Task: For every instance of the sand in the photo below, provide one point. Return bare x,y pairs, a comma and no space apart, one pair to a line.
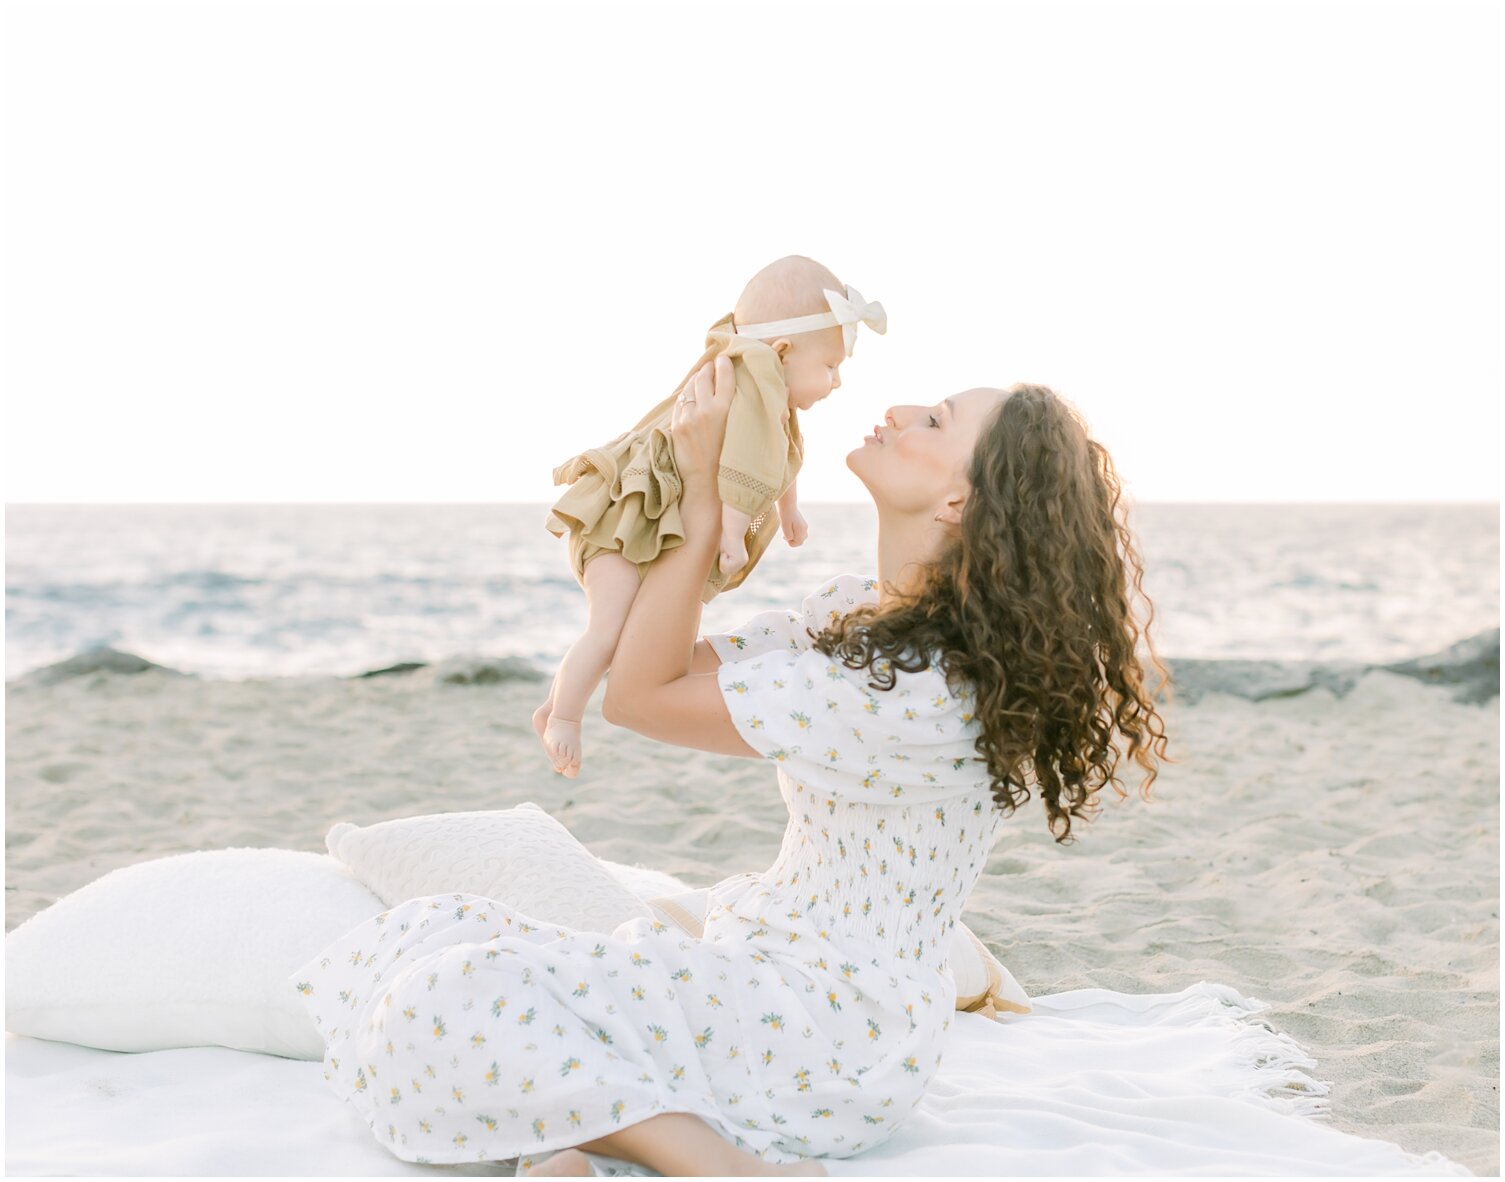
1336,856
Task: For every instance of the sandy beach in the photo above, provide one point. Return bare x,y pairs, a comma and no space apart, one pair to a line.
1336,856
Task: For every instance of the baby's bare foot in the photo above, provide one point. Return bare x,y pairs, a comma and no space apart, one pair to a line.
732,560
541,717
561,738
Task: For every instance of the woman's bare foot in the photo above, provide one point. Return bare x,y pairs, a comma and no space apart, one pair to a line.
567,1163
561,738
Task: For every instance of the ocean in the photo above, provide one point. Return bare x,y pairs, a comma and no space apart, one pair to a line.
261,590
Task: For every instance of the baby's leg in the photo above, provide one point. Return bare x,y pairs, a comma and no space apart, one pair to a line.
611,584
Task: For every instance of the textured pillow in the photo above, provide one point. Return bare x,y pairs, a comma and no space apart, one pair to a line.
190,950
519,856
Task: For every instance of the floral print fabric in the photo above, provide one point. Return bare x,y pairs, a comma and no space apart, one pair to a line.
809,1018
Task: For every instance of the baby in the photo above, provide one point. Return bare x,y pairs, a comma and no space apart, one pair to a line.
787,337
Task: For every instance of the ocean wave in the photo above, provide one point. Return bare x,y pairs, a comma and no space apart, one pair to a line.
1468,669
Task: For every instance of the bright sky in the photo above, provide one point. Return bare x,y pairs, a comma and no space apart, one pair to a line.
425,252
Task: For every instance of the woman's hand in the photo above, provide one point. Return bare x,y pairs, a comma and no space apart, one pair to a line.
698,427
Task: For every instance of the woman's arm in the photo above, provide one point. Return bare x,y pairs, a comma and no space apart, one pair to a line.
705,659
653,687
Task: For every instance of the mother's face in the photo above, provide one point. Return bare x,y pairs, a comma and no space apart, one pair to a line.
918,457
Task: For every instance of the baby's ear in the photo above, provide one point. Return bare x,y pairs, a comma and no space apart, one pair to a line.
781,346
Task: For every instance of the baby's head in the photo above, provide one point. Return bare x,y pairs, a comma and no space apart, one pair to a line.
796,286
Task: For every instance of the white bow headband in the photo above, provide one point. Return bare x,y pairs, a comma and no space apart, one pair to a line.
848,311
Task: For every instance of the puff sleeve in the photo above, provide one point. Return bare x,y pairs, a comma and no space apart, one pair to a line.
829,729
783,629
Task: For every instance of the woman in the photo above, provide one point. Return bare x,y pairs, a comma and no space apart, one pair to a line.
998,649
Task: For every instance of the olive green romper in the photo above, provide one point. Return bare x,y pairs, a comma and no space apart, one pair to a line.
624,496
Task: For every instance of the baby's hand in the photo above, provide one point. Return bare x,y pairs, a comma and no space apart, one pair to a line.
733,555
795,529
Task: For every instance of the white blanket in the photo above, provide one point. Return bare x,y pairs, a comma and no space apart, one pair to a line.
1091,1082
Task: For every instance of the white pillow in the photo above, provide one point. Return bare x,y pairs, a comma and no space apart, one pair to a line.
185,951
519,856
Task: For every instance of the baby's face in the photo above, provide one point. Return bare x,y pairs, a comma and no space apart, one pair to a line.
812,366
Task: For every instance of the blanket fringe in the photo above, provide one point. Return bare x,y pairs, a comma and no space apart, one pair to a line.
1274,1065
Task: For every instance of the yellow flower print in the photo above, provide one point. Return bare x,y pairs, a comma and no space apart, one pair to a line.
639,960
775,1021
822,1112
491,1076
478,1040
873,1120
395,1097
910,1065
637,993
831,999
581,989
676,1072
538,1128
940,815
800,720
704,1037
569,1065
847,969
835,1066
438,1027
713,1001
739,686
658,1032
424,1127
526,1018
458,1094
617,1109
360,1079
574,1118
681,975
433,979
603,1036
802,1078
305,988
497,1007
525,1085
873,1030
488,1121
460,1139
767,1058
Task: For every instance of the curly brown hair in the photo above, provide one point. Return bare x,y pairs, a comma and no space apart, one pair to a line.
1030,606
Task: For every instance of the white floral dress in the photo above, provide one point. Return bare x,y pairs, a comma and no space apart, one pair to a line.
807,1021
